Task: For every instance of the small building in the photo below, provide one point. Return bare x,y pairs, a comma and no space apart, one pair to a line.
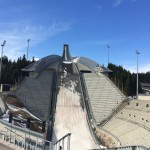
145,88
5,87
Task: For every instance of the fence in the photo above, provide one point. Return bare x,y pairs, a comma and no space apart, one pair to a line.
60,144
27,143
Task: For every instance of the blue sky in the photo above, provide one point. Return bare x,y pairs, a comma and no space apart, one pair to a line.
86,25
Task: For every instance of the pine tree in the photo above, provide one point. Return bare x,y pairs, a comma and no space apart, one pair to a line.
128,86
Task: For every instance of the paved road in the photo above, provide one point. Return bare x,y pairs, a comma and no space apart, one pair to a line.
3,147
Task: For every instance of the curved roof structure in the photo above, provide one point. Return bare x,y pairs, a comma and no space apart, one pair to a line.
90,64
42,64
87,64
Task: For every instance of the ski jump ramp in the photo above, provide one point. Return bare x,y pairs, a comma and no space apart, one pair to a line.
71,118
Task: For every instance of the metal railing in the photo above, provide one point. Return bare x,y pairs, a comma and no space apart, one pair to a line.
60,144
24,130
88,109
25,142
51,107
137,147
40,144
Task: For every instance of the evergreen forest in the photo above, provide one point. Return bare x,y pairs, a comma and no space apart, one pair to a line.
123,79
11,70
126,81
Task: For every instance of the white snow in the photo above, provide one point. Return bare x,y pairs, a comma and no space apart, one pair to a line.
14,108
67,62
23,125
5,119
72,86
70,118
76,59
5,116
11,107
24,109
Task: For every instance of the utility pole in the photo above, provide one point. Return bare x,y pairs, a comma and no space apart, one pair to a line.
137,53
1,60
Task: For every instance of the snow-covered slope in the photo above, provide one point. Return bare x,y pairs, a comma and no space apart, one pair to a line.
70,118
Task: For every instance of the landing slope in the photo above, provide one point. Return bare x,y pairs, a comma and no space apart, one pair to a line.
70,118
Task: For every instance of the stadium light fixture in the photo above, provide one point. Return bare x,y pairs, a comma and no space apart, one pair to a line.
137,53
4,43
108,53
28,48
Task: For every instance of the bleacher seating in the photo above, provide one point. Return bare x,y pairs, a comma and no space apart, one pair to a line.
139,105
132,125
36,94
103,95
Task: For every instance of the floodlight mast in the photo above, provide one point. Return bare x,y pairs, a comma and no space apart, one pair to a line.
1,60
108,53
28,48
137,53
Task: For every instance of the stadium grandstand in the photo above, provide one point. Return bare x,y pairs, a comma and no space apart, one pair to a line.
79,108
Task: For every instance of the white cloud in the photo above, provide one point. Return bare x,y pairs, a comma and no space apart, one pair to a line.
117,3
16,35
143,68
36,59
99,7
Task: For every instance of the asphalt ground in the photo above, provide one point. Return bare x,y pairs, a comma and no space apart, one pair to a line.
3,147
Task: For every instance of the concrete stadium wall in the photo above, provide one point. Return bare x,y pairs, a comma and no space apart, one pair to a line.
144,97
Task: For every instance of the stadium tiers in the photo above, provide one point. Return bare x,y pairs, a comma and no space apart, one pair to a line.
103,95
131,125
